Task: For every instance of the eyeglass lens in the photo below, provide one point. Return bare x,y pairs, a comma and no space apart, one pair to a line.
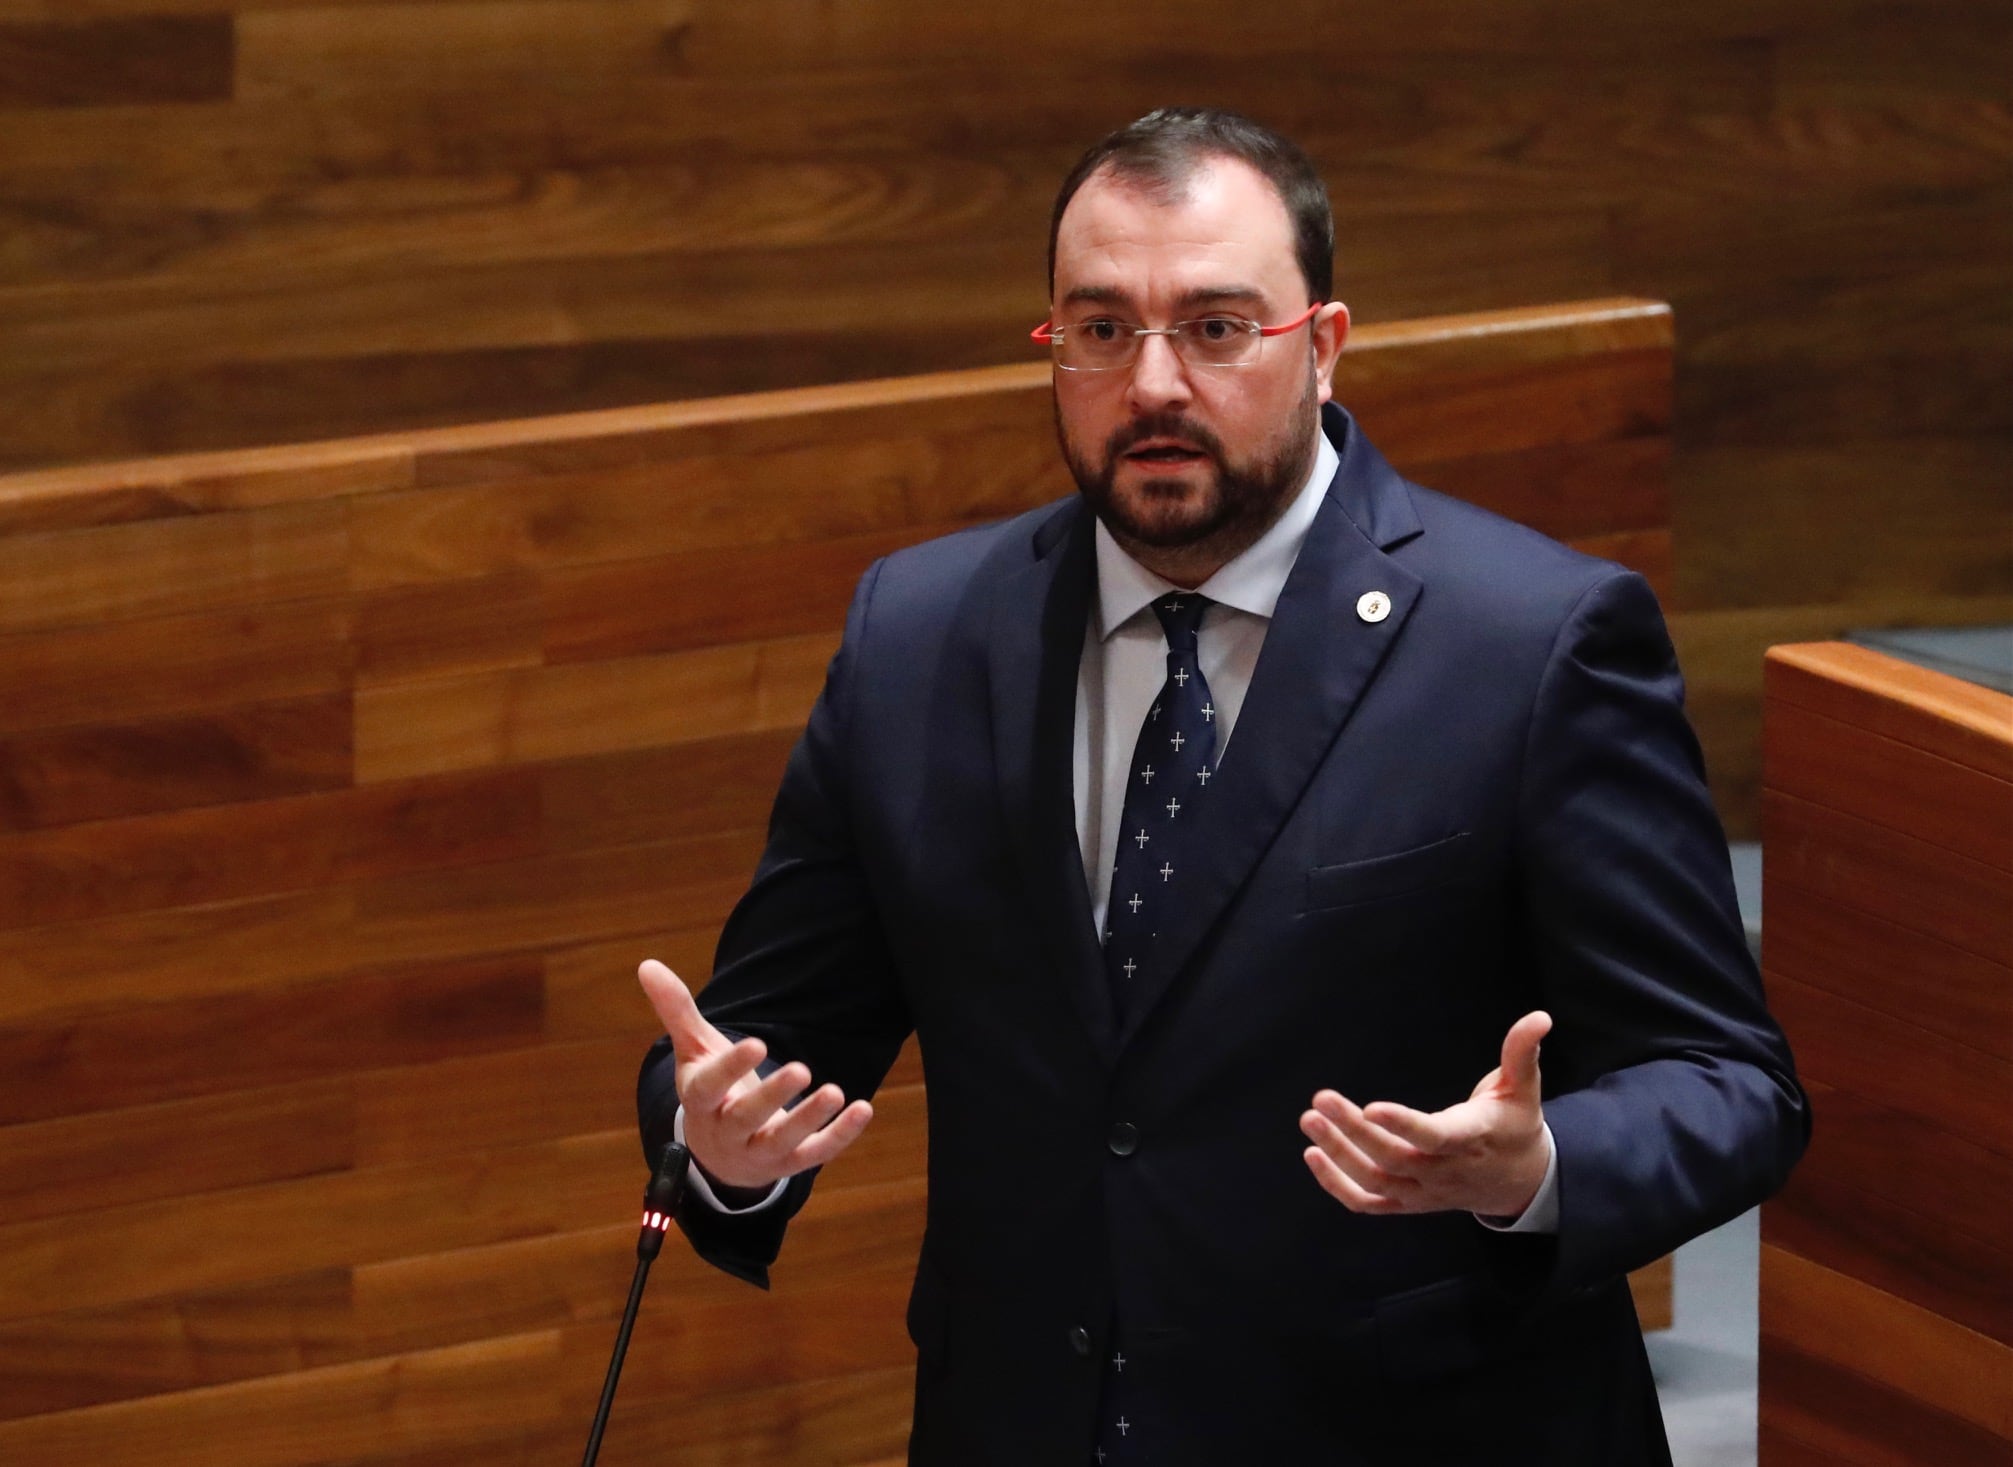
1207,341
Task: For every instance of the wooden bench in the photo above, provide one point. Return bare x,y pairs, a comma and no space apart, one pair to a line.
342,786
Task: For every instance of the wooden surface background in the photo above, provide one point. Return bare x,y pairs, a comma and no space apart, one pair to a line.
1887,1264
266,221
342,788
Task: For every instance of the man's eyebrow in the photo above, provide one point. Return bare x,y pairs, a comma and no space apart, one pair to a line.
1220,295
1188,300
1096,295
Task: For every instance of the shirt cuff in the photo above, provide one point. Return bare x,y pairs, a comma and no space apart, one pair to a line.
1542,1216
696,1179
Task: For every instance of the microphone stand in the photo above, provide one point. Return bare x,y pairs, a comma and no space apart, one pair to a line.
660,1201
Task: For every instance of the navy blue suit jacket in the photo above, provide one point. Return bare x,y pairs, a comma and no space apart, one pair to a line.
1422,828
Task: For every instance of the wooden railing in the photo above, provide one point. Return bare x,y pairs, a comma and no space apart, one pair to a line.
342,786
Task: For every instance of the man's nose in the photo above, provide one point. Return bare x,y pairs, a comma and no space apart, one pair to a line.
1159,378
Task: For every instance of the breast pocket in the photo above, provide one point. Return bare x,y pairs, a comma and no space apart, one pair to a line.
1441,863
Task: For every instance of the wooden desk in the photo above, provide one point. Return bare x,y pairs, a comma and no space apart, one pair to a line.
1887,1263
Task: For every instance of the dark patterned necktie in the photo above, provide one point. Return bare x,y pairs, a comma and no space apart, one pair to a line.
1172,764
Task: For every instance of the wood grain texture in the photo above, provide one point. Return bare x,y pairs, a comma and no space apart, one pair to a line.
97,672
329,847
122,1254
225,851
1942,715
409,633
197,483
134,61
1861,1421
200,563
1871,1334
1887,1283
137,1053
76,1165
572,710
1876,1052
1845,951
428,1399
706,785
1905,788
257,751
154,1347
1909,880
1904,1253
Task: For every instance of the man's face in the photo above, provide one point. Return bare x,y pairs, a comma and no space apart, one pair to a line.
1171,457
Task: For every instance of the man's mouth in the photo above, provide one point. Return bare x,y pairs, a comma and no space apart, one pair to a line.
1163,454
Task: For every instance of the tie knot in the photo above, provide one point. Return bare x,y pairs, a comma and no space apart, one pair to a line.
1180,616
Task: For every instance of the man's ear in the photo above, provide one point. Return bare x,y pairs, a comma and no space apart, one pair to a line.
1330,331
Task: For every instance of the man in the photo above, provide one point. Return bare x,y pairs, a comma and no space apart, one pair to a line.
1231,836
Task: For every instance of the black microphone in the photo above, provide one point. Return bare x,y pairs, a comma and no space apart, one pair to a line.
660,1202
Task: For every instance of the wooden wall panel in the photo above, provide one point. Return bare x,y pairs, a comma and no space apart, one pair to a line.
1861,1422
220,852
233,222
63,776
202,563
570,710
130,61
1887,1281
136,1052
57,675
329,845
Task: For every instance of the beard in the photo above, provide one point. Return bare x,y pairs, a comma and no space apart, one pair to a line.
1218,516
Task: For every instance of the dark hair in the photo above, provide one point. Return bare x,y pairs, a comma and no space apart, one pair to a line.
1160,152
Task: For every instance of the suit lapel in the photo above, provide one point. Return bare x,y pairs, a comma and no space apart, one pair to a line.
1035,643
1320,655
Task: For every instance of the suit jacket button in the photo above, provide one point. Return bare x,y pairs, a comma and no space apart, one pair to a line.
1079,1340
1124,1139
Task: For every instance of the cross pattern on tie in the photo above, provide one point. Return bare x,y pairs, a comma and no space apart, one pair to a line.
1171,765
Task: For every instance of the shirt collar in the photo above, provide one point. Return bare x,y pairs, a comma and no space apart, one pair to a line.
1251,582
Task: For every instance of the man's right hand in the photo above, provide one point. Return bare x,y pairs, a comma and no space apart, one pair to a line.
736,1126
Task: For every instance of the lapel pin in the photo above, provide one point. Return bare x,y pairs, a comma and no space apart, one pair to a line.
1373,606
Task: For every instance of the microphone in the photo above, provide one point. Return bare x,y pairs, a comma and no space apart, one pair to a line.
661,1198
660,1203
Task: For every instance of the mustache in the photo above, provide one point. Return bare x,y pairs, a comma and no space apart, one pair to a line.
1162,425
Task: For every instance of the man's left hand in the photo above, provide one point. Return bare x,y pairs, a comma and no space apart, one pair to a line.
1486,1155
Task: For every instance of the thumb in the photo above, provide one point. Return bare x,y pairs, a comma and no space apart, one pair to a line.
1520,1055
691,1036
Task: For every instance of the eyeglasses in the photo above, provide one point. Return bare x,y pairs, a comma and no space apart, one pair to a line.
1104,344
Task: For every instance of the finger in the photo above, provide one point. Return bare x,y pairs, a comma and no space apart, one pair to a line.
750,1107
708,1083
786,1130
1520,1053
1336,1183
1444,1133
835,1138
1395,1153
691,1036
1351,1160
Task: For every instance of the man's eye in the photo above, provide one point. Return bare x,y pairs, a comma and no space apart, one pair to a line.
1218,328
1100,331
